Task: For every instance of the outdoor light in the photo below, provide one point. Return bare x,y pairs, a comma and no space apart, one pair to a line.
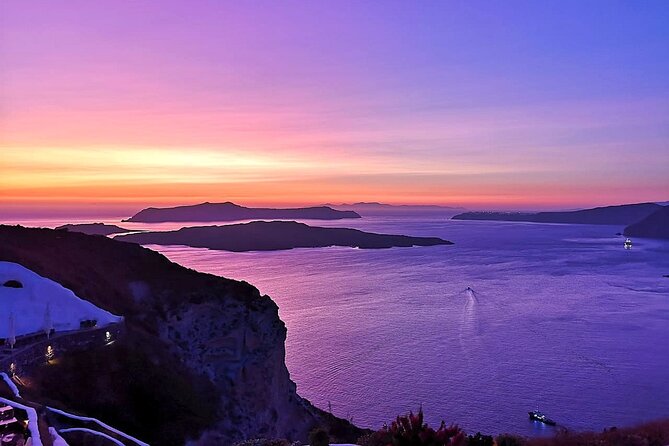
49,353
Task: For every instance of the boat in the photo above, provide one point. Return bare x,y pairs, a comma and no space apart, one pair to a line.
628,244
535,415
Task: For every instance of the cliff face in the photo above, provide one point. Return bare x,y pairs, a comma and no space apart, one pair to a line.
241,350
185,328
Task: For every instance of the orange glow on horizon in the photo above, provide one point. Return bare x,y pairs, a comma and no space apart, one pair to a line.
130,105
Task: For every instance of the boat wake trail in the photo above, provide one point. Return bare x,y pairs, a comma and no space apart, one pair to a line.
470,328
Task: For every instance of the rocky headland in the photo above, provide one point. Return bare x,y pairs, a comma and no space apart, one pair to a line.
202,360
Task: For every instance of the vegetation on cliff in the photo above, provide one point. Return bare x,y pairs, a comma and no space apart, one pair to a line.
411,430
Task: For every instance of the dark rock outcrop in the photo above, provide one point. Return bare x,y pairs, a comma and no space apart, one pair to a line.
656,225
207,212
203,356
93,228
13,284
609,215
276,235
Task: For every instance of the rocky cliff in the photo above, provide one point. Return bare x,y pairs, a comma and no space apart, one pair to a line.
194,341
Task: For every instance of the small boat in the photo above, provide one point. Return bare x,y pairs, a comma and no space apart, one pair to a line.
535,415
628,244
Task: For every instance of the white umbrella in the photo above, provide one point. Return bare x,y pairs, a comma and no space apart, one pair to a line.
11,338
48,322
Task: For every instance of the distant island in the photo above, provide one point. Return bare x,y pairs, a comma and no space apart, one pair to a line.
625,214
276,235
93,228
208,212
376,208
656,225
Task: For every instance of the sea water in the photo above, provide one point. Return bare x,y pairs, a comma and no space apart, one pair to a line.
559,317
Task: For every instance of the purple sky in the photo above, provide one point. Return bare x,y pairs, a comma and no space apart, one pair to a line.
481,104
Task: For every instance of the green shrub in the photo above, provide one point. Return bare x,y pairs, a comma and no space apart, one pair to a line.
319,437
410,430
480,440
509,440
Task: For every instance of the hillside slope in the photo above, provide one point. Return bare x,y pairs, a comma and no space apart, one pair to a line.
203,356
656,225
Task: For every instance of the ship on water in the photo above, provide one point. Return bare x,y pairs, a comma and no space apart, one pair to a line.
628,243
536,415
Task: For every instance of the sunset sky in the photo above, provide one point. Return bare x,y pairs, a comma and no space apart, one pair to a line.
483,104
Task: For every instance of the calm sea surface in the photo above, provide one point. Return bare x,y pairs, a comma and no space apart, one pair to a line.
561,318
